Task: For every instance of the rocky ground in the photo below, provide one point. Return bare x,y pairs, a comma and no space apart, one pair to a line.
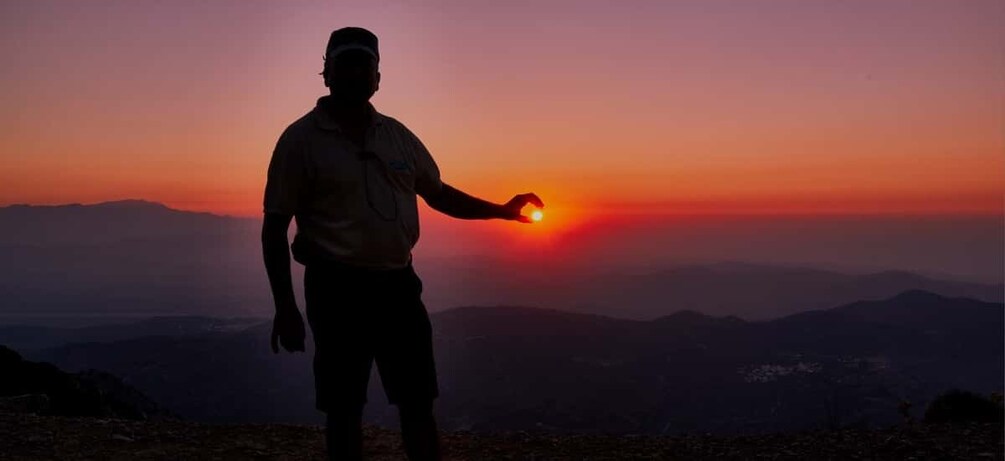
33,437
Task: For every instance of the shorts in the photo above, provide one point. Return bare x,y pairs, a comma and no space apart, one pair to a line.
358,316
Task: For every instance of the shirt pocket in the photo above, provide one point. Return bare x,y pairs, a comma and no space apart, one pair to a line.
401,173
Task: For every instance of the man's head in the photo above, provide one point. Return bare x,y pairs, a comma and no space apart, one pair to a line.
350,69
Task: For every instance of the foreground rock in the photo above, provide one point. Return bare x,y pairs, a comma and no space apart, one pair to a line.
24,437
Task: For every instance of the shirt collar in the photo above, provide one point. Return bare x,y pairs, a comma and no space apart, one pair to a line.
325,121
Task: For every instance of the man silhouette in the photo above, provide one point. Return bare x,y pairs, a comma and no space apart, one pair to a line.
350,175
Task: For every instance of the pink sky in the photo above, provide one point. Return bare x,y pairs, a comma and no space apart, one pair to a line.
818,107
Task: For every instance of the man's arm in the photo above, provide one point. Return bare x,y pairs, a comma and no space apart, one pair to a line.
275,249
458,204
453,202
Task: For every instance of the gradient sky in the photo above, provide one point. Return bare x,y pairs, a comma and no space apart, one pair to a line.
808,107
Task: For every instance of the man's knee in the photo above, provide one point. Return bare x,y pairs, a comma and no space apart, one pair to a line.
415,408
344,414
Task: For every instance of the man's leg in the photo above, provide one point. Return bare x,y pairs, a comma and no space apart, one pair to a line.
418,430
342,356
404,356
344,433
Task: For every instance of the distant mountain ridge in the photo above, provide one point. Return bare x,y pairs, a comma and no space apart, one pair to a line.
129,256
105,222
27,336
124,203
762,291
140,257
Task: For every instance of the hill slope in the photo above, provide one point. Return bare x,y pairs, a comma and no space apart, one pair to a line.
512,368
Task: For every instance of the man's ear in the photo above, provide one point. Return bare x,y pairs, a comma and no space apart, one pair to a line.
376,86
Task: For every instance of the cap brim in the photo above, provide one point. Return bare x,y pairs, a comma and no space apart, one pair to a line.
352,46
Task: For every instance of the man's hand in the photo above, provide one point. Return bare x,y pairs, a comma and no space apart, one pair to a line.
288,329
512,209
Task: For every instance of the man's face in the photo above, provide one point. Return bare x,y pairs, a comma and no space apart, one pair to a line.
353,76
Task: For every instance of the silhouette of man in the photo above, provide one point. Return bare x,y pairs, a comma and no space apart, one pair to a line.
350,175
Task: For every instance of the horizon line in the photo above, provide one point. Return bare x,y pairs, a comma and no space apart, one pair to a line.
621,209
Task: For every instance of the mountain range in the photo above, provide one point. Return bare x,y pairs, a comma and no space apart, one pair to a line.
137,259
522,368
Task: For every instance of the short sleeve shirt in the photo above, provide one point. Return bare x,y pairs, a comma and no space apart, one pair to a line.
352,204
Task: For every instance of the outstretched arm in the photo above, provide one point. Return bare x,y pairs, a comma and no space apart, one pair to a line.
458,204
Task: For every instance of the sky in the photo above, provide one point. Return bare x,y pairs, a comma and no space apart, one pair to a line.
606,110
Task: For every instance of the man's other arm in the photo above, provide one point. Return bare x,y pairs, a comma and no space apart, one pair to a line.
275,249
287,325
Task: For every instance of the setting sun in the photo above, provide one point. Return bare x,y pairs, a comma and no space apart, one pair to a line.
537,215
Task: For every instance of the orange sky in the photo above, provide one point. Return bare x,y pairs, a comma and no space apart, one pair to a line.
697,107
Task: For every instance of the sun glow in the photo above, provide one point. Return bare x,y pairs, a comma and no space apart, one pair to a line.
537,215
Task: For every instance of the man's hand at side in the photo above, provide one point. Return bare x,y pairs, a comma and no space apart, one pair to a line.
288,329
288,325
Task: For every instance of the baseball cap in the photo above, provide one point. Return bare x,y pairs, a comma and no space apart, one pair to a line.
351,38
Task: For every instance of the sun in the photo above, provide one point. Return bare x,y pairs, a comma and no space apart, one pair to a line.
537,215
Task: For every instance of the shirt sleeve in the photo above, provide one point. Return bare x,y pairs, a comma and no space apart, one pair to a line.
287,177
427,173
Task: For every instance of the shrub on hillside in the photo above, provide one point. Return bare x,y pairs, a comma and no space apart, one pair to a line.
962,406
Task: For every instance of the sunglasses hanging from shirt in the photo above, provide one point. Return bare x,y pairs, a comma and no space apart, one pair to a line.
365,157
